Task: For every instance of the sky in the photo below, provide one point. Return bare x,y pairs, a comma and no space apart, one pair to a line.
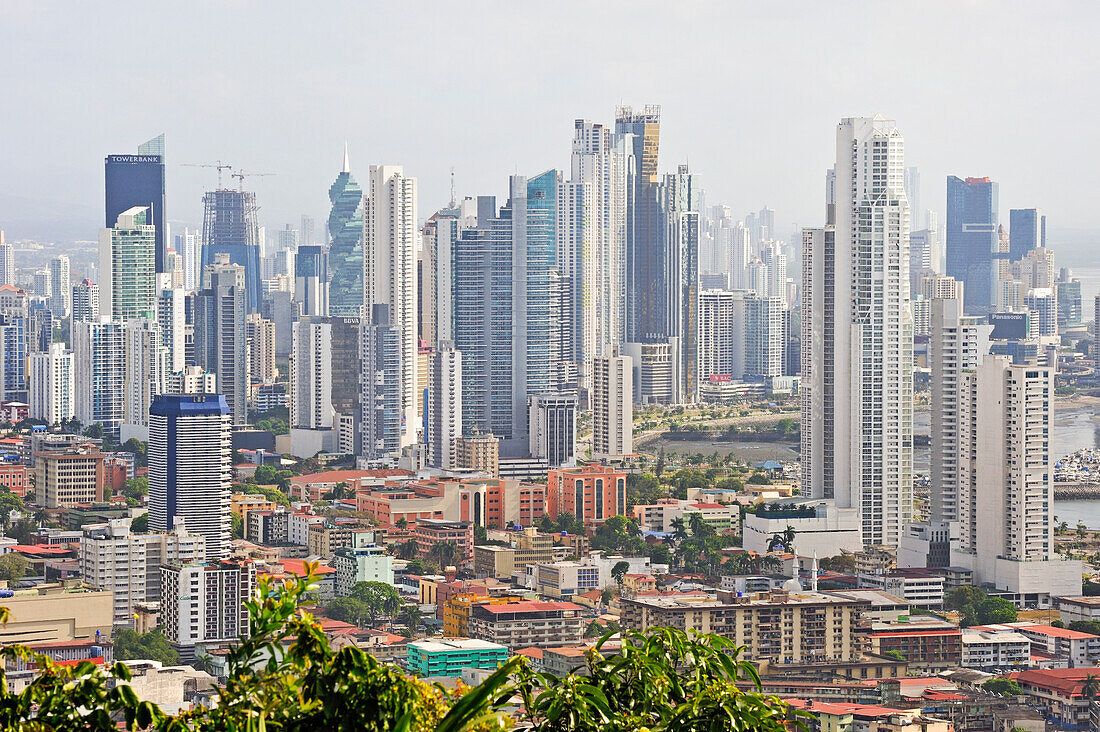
750,95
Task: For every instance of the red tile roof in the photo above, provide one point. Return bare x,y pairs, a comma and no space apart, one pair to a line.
529,606
1064,681
858,710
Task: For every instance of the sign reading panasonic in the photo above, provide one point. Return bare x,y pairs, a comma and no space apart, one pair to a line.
133,158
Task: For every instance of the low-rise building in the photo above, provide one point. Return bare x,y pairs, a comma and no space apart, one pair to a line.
429,532
69,477
919,588
1079,649
325,538
821,527
660,517
592,493
994,652
16,478
848,717
56,613
1059,693
528,623
1072,609
448,656
363,561
563,580
927,644
790,625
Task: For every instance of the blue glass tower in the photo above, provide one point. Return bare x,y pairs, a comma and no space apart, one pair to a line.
972,238
1027,230
230,227
345,226
138,180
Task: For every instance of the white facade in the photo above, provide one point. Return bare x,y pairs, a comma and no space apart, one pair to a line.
612,407
127,564
172,319
857,336
821,528
390,237
146,372
1006,415
204,603
7,262
99,369
994,652
445,406
85,302
60,293
50,384
576,247
721,334
311,375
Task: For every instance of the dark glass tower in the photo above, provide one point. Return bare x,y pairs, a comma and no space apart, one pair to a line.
138,180
230,227
645,264
345,255
972,243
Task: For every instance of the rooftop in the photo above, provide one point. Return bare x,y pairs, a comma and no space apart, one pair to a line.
528,606
455,644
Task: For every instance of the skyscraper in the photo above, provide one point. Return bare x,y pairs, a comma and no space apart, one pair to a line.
145,375
612,406
857,339
61,287
99,369
445,406
1027,229
345,229
127,266
553,428
50,384
230,227
190,462
347,371
389,273
645,261
85,301
138,180
311,375
7,262
972,243
680,206
221,335
311,284
381,426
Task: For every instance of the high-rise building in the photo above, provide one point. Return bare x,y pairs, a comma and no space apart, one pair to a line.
43,285
972,242
681,202
553,426
389,274
345,229
381,420
1027,229
656,371
50,384
1006,415
441,232
205,603
765,336
145,375
311,281
260,334
775,263
721,335
857,336
85,302
230,227
7,262
61,287
127,266
639,132
347,371
172,310
221,334
138,180
99,369
912,195
445,406
189,246
612,406
190,462
311,375
956,344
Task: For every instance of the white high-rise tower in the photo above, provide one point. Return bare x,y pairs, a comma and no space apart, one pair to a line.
390,236
857,382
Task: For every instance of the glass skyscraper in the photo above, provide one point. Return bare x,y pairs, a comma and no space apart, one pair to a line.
972,243
345,227
127,263
1027,230
138,180
230,227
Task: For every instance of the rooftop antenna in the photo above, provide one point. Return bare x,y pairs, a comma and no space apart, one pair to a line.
216,164
452,187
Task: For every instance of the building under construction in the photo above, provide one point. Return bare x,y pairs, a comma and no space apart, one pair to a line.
230,226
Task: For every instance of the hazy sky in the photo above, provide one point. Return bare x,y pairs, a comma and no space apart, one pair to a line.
750,95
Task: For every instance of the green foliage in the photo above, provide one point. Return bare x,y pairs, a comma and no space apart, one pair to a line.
268,492
347,610
618,572
642,489
759,479
136,488
1090,588
620,534
1086,626
1004,687
12,567
140,524
894,654
22,530
783,540
9,502
139,450
275,425
265,475
729,484
996,610
845,563
153,646
378,599
975,607
236,526
415,566
94,430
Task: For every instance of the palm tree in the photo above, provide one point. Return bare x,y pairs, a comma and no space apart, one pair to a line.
1090,686
411,615
784,540
679,533
204,663
408,549
444,551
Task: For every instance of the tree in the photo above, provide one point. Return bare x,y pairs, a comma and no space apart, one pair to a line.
22,530
618,572
1090,686
9,502
402,523
783,540
415,566
410,615
995,610
679,530
152,646
265,475
444,552
759,479
347,610
481,534
894,654
843,562
236,526
408,549
642,489
139,449
136,488
378,599
140,524
1004,687
619,534
94,430
12,567
960,597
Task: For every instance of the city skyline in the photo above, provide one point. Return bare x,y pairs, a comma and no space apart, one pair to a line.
743,157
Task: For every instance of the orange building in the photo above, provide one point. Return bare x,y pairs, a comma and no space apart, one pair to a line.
592,492
16,478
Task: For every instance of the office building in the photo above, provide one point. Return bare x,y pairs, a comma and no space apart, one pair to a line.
85,302
639,132
221,334
68,477
479,452
721,335
389,276
311,285
99,371
61,293
345,229
857,336
260,335
444,418
50,387
553,428
1006,414
116,560
189,247
189,467
656,369
972,241
612,406
230,228
127,266
680,206
138,180
7,262
449,656
43,285
593,493
204,603
1027,230
347,370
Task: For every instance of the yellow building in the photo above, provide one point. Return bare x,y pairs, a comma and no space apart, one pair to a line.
241,503
56,613
479,452
456,612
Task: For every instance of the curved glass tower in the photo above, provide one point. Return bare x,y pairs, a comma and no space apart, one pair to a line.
345,256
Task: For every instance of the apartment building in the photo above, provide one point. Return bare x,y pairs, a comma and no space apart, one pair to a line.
362,561
1079,649
447,657
428,532
204,603
528,624
780,625
70,476
994,652
592,492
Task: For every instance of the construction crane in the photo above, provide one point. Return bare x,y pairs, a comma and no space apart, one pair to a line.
216,164
240,175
